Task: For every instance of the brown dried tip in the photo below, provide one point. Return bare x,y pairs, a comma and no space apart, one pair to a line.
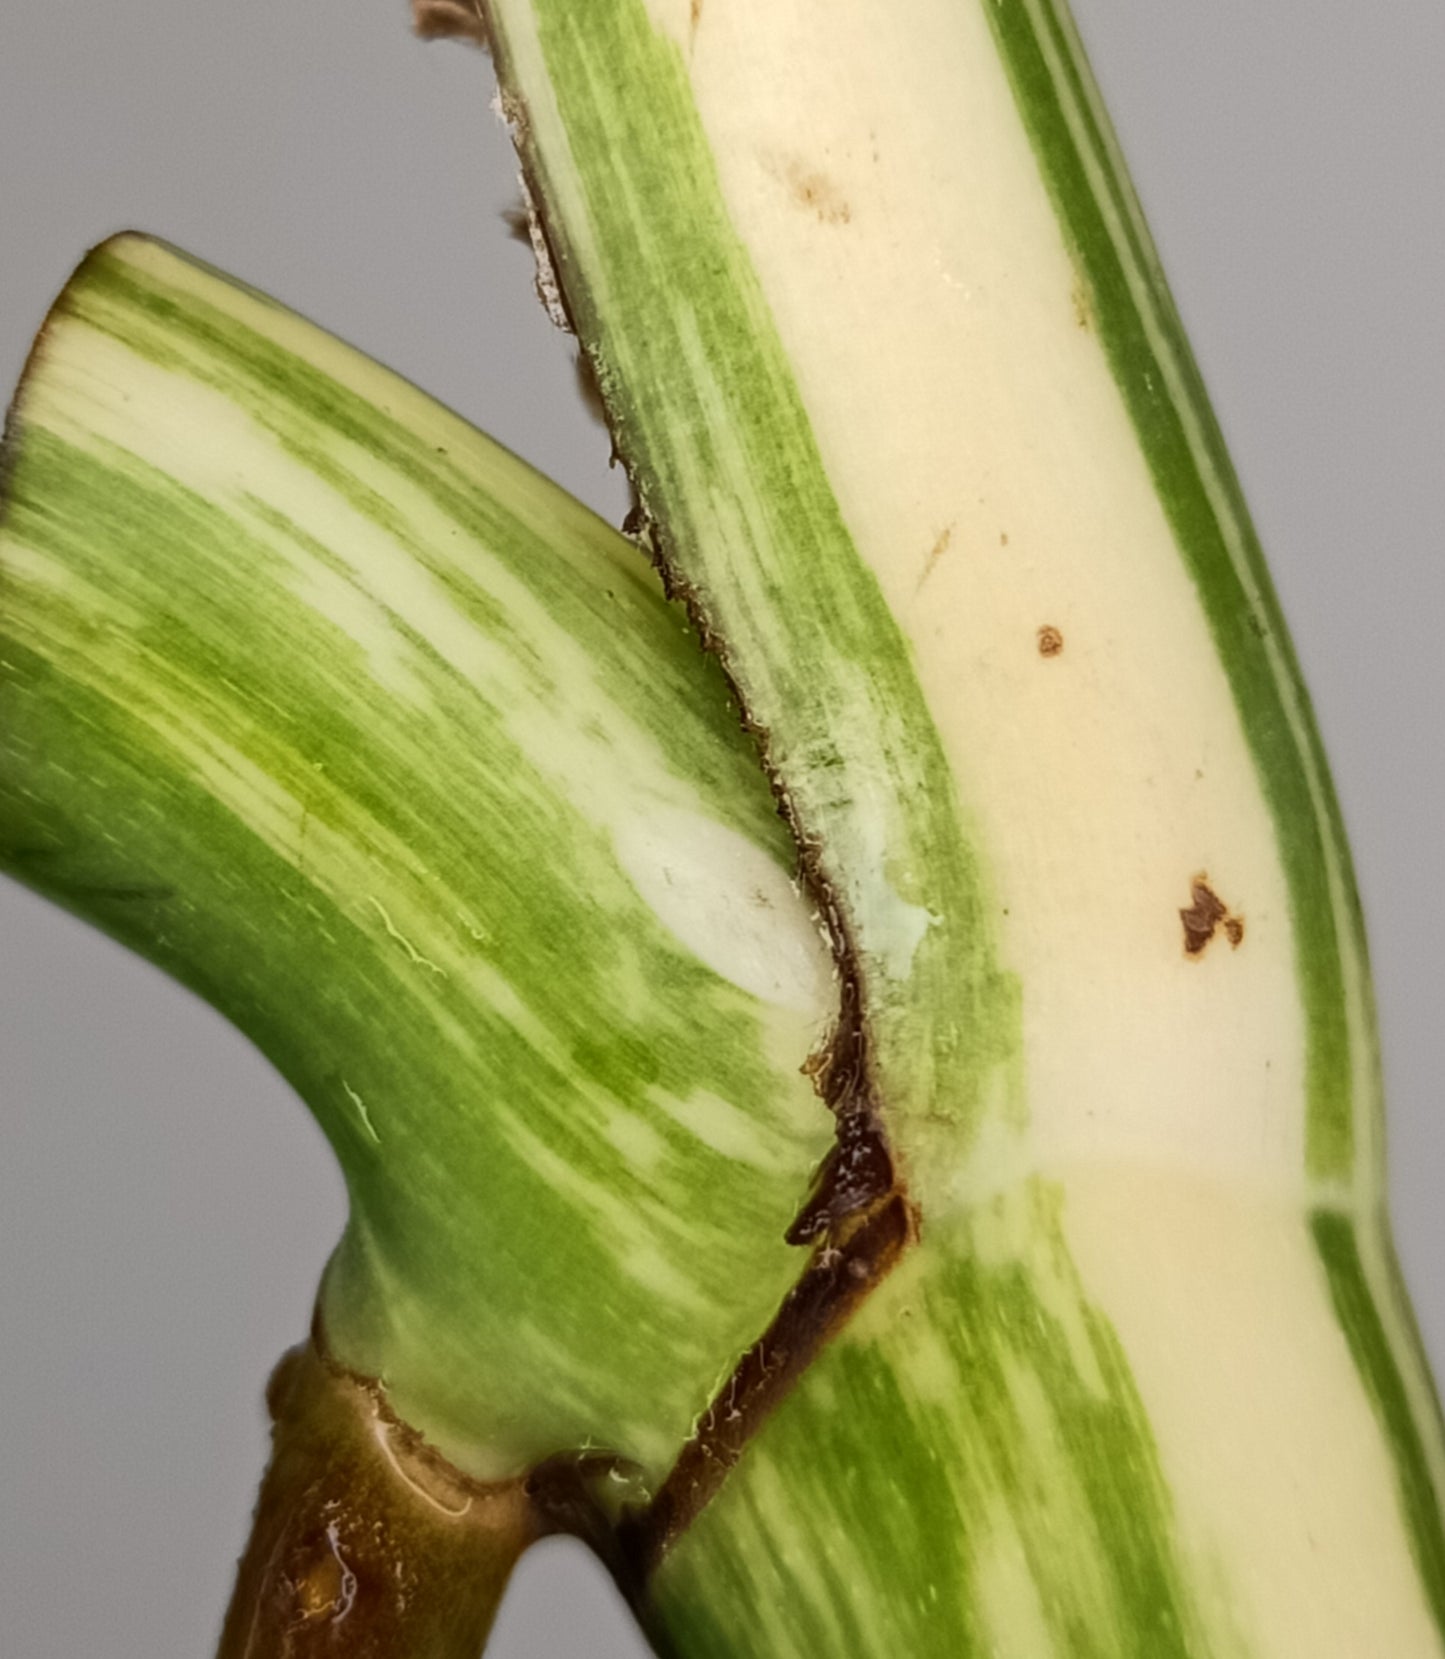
449,20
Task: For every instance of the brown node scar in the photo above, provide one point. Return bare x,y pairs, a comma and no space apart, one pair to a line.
366,1543
1206,914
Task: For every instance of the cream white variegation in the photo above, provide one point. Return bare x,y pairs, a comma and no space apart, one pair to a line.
888,351
1075,1329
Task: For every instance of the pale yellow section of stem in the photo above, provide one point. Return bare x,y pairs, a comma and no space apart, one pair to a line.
1270,1446
878,172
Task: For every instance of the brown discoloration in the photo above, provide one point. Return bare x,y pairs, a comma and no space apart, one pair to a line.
1003,538
854,1176
366,1543
449,20
858,1217
326,1589
1205,916
839,1278
1083,302
941,544
818,193
811,189
1051,641
860,1222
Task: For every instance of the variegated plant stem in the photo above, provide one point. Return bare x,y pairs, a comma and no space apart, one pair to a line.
399,757
918,437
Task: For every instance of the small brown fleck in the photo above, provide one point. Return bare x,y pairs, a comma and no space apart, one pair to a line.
815,191
1003,538
1083,303
1206,913
1051,641
935,553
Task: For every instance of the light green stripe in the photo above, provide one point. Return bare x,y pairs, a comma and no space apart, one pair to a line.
709,417
352,746
1380,1370
969,1463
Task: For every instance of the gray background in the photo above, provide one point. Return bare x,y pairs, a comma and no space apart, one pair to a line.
165,1204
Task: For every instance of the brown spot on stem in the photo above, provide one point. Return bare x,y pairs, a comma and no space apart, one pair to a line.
1206,913
1083,303
449,20
860,1221
812,190
1051,641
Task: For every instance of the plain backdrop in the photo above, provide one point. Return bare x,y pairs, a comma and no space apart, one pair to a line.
165,1203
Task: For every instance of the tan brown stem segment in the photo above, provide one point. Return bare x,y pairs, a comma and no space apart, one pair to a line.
365,1542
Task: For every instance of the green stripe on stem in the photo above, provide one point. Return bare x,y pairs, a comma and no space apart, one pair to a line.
1180,438
1364,1330
706,410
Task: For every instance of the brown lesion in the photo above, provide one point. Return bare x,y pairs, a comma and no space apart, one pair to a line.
811,189
1206,915
368,1544
859,1220
1050,641
845,1268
